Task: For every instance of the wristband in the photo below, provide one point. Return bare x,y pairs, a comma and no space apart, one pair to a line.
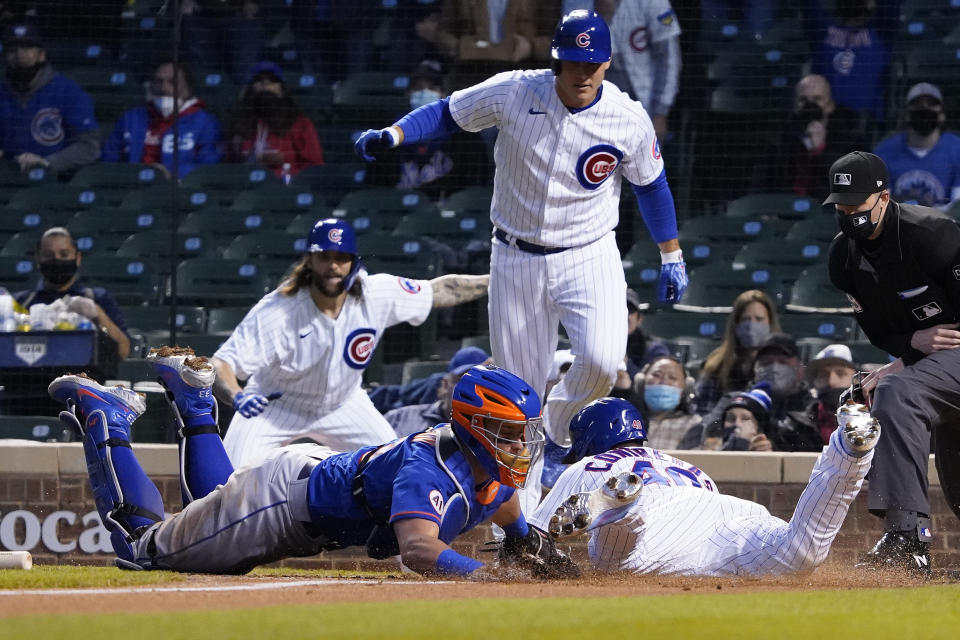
451,562
517,529
671,257
394,136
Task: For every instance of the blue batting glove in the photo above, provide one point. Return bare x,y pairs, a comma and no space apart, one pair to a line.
250,404
673,279
373,141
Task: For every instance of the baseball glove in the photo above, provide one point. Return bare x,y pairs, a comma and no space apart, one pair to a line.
538,553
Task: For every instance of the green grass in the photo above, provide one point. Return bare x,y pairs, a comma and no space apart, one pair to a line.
920,612
69,577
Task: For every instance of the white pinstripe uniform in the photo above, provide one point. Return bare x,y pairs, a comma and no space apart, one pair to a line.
286,344
636,25
678,527
557,184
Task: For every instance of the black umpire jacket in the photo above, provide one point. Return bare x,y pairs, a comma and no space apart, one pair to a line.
910,281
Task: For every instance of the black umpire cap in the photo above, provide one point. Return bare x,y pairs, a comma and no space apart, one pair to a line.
855,177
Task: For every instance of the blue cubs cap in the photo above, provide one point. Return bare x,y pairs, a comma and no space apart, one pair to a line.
265,66
332,234
25,34
466,358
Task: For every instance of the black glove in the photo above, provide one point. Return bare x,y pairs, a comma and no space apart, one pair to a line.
537,552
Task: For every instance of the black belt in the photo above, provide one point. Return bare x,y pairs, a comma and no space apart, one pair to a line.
523,245
313,530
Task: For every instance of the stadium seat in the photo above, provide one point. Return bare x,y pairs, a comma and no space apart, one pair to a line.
713,288
131,280
159,197
304,222
225,319
373,94
865,353
18,273
421,266
30,220
62,198
472,201
814,293
415,369
455,230
216,281
275,198
723,229
155,248
698,252
130,371
221,224
779,205
691,349
117,176
37,428
11,176
476,341
385,201
271,245
157,318
781,253
230,177
21,245
816,228
330,182
666,324
833,328
122,222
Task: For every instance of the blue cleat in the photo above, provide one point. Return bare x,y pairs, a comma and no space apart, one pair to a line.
84,396
188,379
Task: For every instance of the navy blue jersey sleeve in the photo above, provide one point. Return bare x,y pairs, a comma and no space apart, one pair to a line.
421,488
78,115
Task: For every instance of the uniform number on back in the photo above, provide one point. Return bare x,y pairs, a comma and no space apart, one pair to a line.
675,476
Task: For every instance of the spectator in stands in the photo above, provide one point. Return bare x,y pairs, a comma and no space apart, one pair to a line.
144,135
851,49
739,422
778,364
336,39
440,166
482,30
924,160
646,55
46,119
226,35
755,15
641,348
269,128
416,418
729,367
831,372
58,260
817,133
664,393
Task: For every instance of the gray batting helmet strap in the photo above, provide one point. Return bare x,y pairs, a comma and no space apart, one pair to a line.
581,36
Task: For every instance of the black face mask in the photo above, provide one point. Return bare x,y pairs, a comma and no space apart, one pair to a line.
808,112
923,121
858,226
58,272
829,397
21,77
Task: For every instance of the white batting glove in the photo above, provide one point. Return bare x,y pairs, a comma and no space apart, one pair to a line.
84,306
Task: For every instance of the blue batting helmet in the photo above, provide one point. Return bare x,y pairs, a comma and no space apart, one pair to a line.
335,234
581,36
603,424
496,415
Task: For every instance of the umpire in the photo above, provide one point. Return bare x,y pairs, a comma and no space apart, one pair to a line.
899,265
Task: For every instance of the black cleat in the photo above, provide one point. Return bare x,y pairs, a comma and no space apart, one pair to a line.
901,550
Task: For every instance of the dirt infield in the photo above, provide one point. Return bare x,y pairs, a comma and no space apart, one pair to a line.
199,592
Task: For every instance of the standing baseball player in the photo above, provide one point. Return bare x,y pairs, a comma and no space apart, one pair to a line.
899,265
652,513
565,139
303,348
410,496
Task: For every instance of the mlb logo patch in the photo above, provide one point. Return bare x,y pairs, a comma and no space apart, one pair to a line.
927,311
666,18
853,303
956,271
410,286
842,179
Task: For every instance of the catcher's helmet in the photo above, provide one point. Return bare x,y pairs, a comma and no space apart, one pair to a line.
603,424
496,415
581,36
334,234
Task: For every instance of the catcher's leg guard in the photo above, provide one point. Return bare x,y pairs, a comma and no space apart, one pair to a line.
128,502
188,380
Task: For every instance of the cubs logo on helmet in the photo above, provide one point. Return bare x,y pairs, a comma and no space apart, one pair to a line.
335,236
581,36
583,40
359,348
596,164
603,424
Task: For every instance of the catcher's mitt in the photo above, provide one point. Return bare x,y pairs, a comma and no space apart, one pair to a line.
537,553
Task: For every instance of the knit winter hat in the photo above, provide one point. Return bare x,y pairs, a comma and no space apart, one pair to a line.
757,401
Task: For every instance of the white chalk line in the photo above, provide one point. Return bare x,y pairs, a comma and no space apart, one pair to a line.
263,586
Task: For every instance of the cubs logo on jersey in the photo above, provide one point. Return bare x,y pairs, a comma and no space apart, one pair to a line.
47,127
596,164
359,347
410,286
